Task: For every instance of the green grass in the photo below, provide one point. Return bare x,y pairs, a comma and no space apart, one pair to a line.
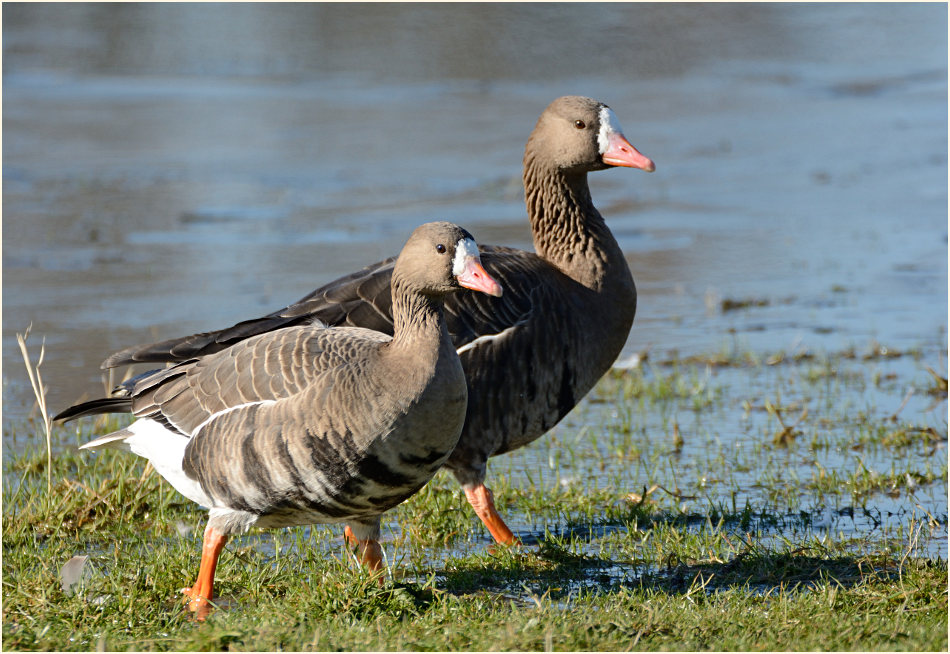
662,514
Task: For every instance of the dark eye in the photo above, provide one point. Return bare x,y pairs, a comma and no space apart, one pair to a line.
440,248
580,124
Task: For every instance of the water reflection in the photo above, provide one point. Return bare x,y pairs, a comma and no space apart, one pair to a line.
384,41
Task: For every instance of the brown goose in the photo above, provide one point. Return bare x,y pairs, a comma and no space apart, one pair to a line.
531,355
311,424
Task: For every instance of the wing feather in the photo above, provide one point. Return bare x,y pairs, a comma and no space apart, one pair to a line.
364,299
268,367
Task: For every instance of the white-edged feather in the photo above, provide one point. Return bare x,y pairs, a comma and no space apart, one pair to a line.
115,441
215,416
487,338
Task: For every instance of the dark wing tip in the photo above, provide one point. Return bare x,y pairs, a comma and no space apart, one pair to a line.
95,407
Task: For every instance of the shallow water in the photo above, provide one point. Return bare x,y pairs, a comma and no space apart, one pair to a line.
175,168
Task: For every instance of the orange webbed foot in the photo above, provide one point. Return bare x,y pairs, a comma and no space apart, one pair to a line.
482,500
199,605
368,551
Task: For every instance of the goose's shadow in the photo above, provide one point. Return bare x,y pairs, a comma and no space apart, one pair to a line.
545,566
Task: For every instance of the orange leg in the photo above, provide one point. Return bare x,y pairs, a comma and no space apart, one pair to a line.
481,499
370,552
203,589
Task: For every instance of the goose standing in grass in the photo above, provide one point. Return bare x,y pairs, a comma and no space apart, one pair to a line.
530,356
311,424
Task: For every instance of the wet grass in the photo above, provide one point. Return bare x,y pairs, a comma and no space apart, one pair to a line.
736,501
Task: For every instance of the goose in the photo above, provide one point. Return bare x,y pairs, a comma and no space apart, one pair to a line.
311,424
529,356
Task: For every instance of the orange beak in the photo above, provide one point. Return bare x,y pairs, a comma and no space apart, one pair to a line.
621,153
475,277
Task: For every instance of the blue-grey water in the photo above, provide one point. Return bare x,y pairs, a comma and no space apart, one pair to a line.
171,168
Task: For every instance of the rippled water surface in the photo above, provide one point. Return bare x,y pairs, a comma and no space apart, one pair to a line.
173,168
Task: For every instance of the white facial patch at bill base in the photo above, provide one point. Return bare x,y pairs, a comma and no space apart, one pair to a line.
465,248
608,125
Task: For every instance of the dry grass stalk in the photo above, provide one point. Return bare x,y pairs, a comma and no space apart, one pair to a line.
39,390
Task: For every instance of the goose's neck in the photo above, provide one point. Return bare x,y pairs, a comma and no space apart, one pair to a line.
418,323
568,230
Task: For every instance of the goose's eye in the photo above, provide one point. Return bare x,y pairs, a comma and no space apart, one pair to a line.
580,124
440,248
